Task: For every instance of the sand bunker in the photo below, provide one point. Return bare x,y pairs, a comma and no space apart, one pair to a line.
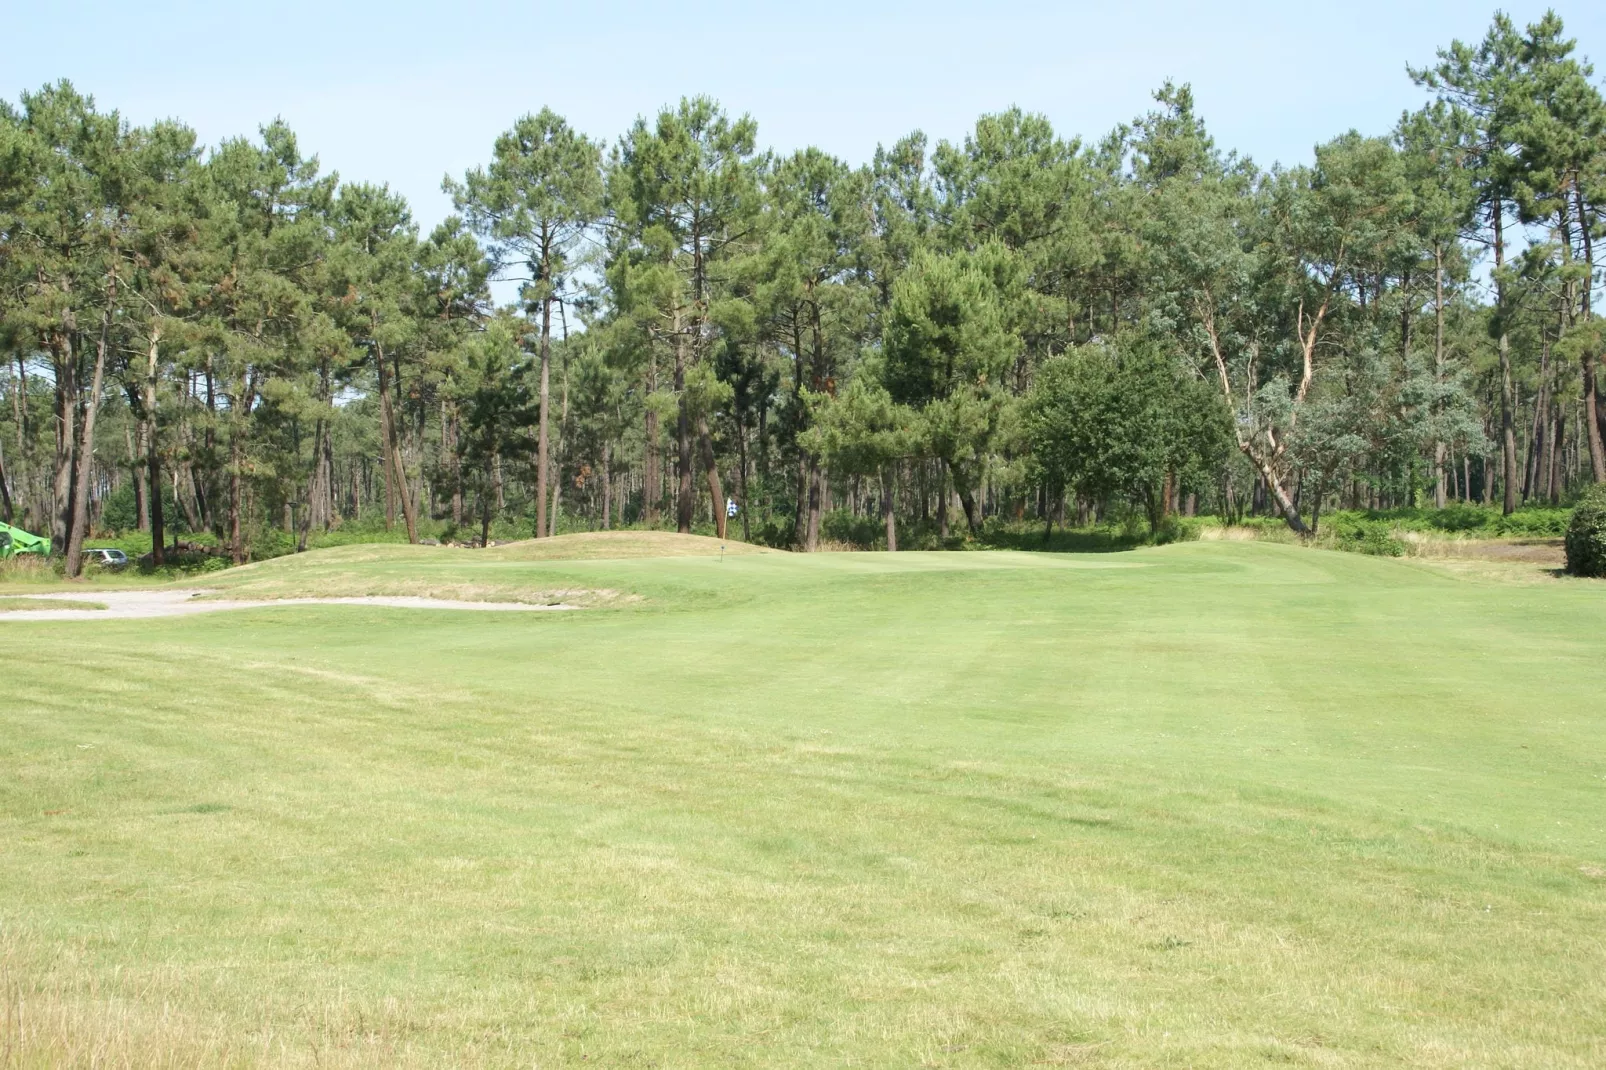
140,605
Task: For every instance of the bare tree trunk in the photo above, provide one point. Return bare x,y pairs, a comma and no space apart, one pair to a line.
1532,467
684,501
651,477
1508,426
236,462
153,453
1438,372
85,458
1274,487
318,492
1554,439
485,507
5,488
19,411
541,475
741,484
396,475
132,442
887,514
66,420
607,486
716,492
812,491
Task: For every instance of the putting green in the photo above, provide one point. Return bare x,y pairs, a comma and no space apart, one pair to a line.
1209,805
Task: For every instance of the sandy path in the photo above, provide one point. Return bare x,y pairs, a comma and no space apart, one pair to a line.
140,605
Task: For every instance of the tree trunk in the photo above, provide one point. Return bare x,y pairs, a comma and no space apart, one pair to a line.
716,492
1532,467
132,441
1274,487
85,456
967,502
5,487
66,362
887,514
317,486
607,486
1438,373
1553,450
153,453
684,500
741,482
811,517
541,475
651,476
1508,427
485,507
236,460
396,475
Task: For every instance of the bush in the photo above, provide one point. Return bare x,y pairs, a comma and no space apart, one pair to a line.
1363,535
1586,534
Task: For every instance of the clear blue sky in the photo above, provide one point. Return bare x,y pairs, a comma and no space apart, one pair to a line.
406,91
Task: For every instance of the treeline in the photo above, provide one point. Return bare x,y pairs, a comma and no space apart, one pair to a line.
1020,326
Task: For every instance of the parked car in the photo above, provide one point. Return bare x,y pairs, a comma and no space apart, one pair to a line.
114,560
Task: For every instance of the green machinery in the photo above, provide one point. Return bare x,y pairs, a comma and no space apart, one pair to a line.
14,541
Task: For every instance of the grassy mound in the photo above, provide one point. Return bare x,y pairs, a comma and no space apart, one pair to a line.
391,570
505,573
618,545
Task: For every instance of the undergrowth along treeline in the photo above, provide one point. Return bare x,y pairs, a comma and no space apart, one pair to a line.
1020,329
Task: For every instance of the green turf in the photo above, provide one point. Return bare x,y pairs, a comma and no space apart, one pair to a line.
1210,805
16,604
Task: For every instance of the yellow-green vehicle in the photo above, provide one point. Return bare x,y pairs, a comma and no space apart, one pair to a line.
14,541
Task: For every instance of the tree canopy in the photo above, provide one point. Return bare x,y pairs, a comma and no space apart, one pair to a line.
228,342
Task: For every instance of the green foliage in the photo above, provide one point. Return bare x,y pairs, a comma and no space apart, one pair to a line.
1586,535
1121,420
945,335
1382,531
1360,534
1014,315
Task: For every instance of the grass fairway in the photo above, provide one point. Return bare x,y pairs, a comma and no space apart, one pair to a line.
1211,805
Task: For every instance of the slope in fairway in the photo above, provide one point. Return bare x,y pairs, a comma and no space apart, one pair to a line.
1212,805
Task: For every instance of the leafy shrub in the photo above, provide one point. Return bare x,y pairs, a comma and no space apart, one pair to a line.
858,531
1586,534
1362,535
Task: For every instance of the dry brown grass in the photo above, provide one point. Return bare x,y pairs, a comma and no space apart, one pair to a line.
1228,533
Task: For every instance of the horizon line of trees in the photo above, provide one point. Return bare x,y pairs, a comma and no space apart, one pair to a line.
1019,325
